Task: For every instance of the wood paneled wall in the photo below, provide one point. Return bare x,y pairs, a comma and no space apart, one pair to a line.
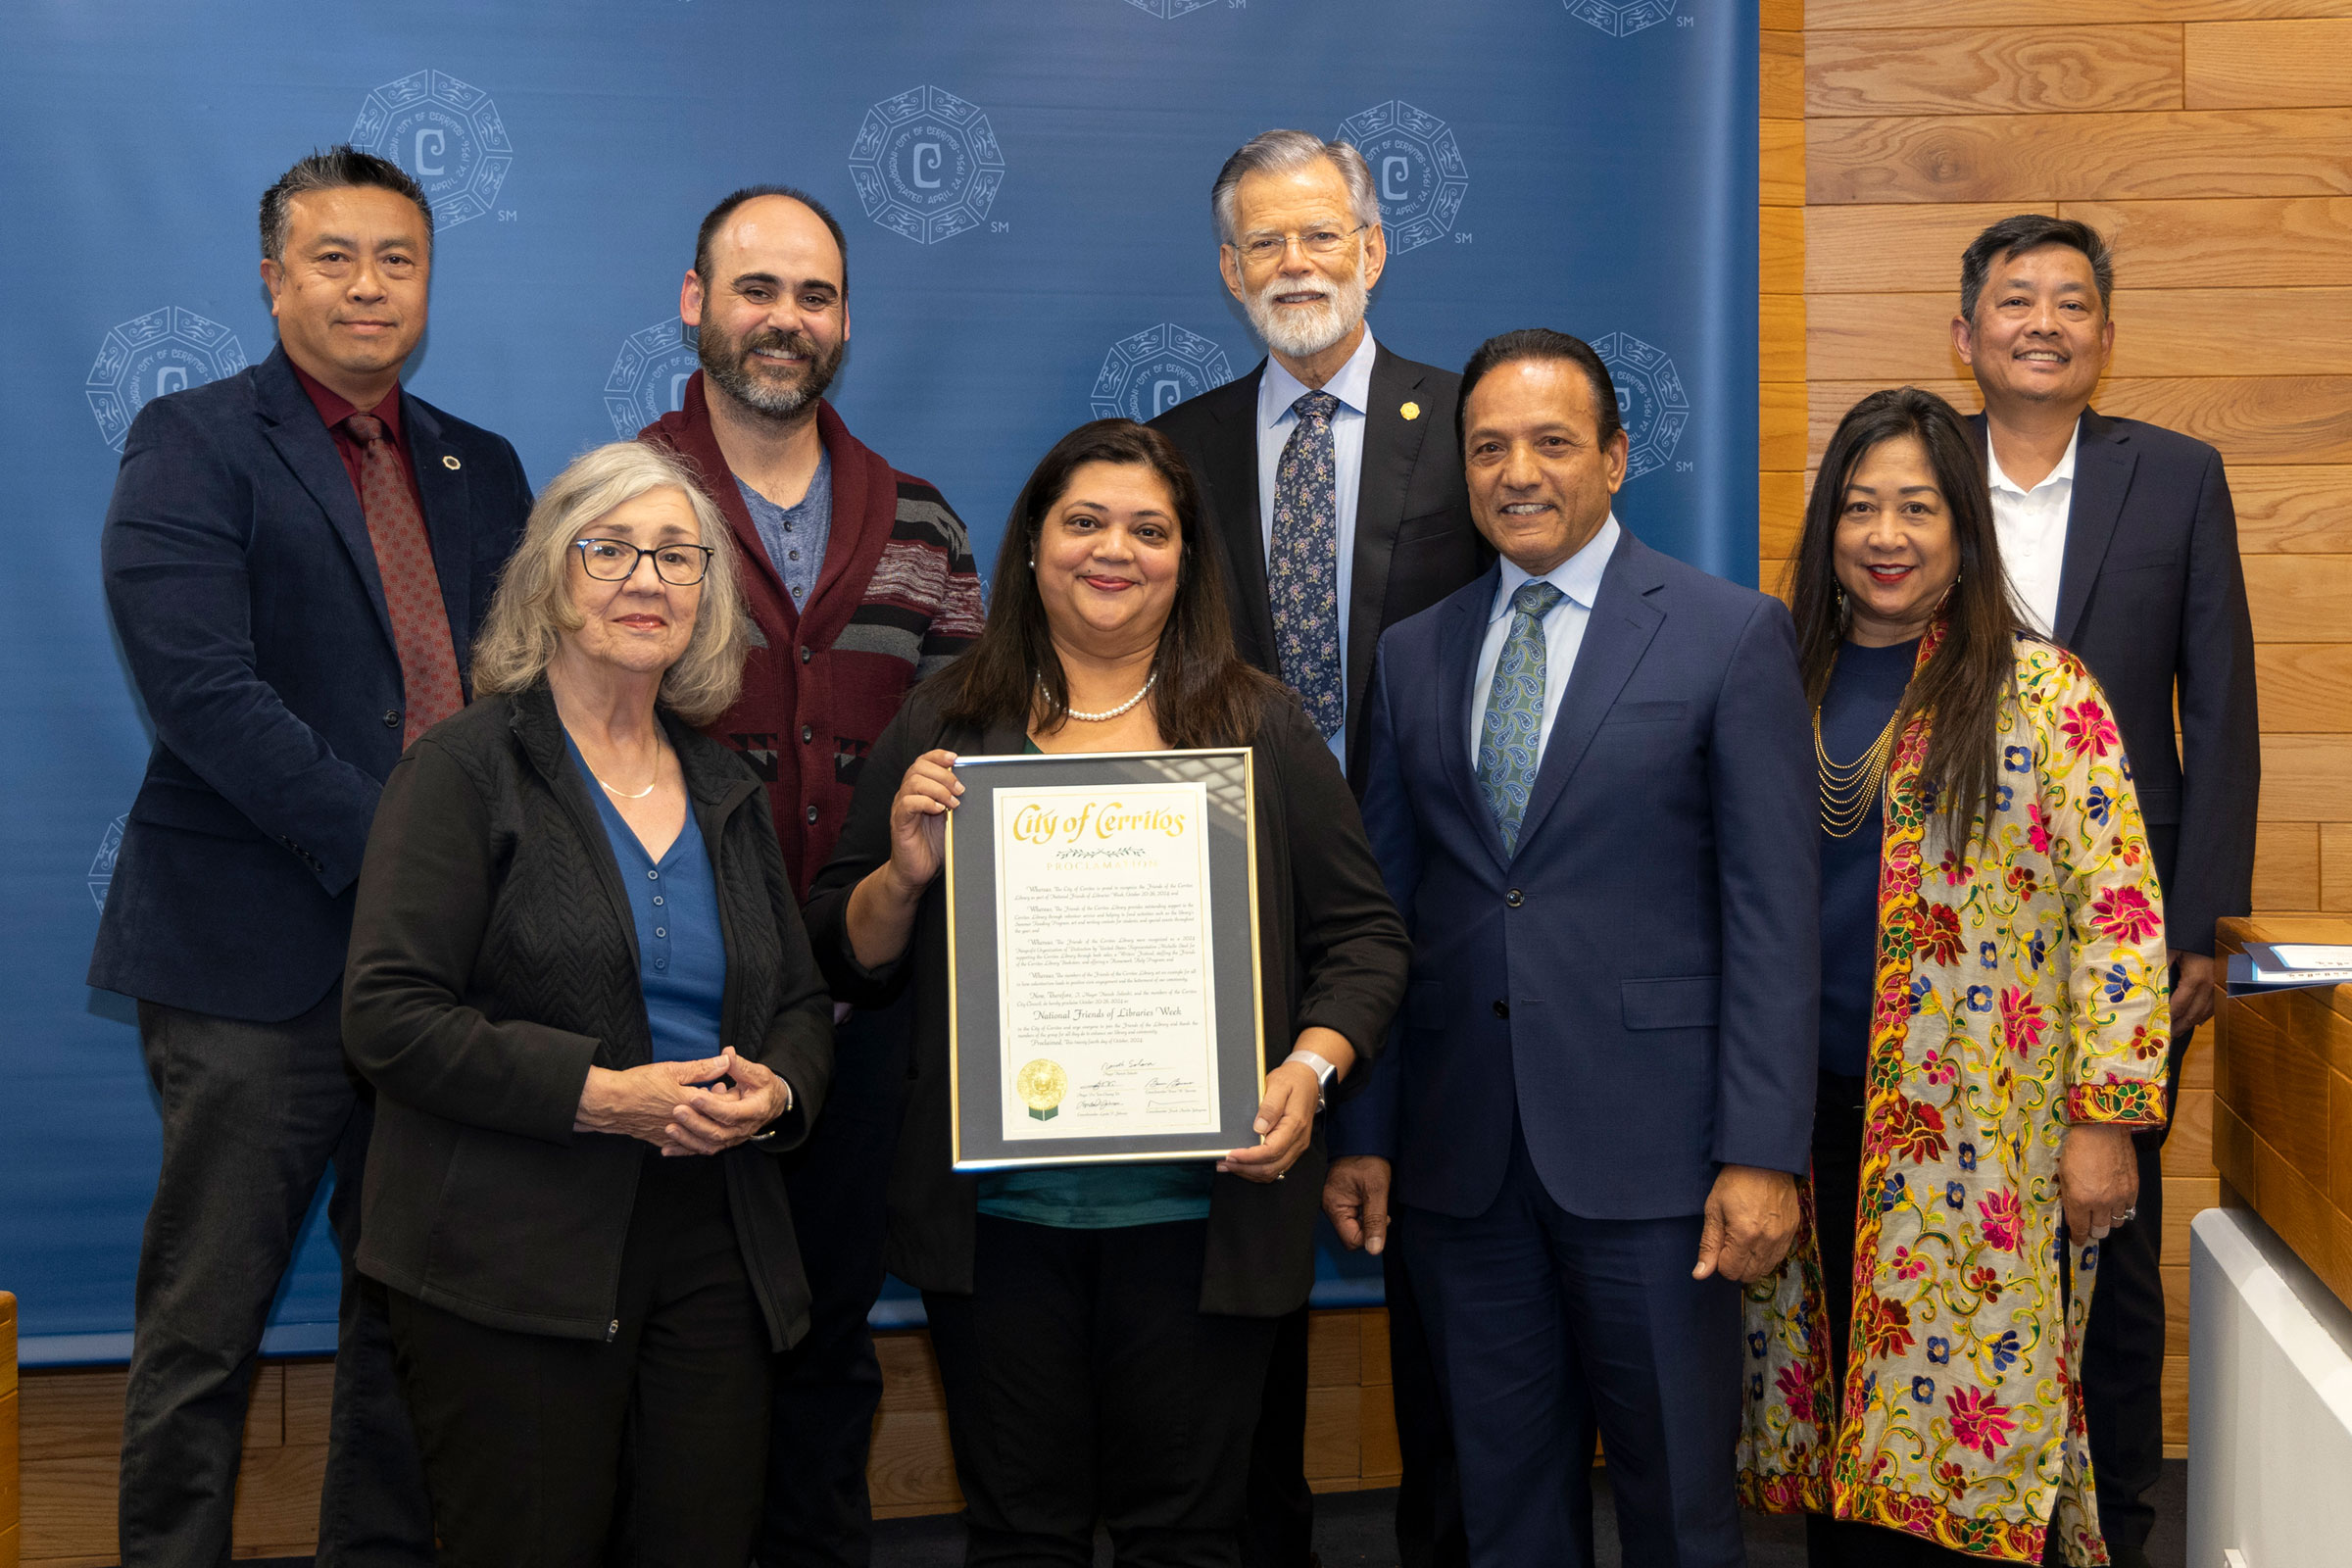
2211,140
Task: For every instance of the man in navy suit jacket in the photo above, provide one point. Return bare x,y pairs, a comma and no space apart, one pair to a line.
246,576
2121,543
1592,797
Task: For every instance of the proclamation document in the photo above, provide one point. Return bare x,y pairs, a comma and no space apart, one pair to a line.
1106,1001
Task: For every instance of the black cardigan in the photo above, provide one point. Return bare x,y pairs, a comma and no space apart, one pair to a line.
493,961
1333,954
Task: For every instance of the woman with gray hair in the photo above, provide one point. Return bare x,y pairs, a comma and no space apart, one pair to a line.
579,984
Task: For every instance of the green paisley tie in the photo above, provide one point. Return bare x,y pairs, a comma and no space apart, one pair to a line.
1510,739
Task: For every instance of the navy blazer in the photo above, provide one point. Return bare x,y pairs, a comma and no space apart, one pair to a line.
2152,596
244,590
1415,541
1639,984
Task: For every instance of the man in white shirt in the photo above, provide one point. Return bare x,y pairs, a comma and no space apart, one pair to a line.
2121,543
2031,521
1332,474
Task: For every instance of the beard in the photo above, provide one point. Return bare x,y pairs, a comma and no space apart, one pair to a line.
1304,331
731,365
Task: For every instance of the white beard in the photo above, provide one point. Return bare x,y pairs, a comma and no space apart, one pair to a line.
1302,331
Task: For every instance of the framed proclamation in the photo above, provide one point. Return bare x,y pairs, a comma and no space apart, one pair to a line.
1103,965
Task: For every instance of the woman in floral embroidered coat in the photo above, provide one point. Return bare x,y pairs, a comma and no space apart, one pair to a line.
1993,1023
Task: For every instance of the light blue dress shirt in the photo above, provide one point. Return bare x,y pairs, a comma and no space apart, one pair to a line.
1578,578
1277,390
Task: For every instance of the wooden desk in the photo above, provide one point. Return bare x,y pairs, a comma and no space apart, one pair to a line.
2282,1104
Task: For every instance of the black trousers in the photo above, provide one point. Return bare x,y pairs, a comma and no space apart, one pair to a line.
254,1114
2122,1348
828,1386
1083,1383
645,1448
1837,1124
1278,1529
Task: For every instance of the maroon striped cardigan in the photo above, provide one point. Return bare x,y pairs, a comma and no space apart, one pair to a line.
896,599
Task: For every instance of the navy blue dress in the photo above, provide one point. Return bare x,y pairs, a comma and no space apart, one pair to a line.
1864,691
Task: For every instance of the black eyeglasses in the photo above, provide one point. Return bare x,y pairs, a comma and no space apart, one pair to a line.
616,561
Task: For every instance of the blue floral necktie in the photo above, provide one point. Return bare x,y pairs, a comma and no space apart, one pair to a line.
1509,739
1302,565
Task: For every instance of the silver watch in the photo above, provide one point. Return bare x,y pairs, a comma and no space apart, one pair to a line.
1325,1072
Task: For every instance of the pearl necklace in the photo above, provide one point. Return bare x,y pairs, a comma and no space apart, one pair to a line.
1109,713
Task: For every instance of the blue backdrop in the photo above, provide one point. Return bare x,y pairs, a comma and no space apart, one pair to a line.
1025,187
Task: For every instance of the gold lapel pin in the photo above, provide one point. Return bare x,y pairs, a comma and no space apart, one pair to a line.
448,461
1411,411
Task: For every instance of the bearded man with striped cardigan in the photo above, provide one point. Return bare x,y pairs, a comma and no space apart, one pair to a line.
859,580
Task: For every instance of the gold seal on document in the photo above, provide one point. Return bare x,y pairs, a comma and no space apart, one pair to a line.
1041,1086
1411,411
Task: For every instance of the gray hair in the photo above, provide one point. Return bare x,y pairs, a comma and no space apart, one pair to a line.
532,609
1283,151
333,169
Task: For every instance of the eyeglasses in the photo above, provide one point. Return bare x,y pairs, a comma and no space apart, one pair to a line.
1315,242
616,561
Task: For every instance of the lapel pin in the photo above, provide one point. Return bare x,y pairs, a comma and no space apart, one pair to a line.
1411,411
448,461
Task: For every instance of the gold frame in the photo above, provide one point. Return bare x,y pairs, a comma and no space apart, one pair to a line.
1257,988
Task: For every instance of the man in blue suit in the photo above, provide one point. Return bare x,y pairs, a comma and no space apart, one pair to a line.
2121,542
296,559
1592,794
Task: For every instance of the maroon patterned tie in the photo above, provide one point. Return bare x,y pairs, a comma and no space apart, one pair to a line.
404,559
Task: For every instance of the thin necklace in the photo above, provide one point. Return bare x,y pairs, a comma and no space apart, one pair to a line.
641,794
1113,712
624,793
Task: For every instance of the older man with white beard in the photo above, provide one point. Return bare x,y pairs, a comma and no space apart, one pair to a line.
1333,473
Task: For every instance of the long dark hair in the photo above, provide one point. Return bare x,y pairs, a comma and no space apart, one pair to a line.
1974,666
1206,696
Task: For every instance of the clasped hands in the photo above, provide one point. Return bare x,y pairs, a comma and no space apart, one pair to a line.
684,1107
1750,1215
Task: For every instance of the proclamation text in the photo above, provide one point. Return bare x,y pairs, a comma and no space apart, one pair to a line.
1107,994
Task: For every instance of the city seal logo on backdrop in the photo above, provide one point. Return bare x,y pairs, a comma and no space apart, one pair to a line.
164,351
1650,400
1169,10
650,375
1146,375
109,849
1418,168
1621,18
447,134
926,164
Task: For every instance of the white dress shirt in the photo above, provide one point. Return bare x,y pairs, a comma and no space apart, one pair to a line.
1277,390
2031,525
1578,578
